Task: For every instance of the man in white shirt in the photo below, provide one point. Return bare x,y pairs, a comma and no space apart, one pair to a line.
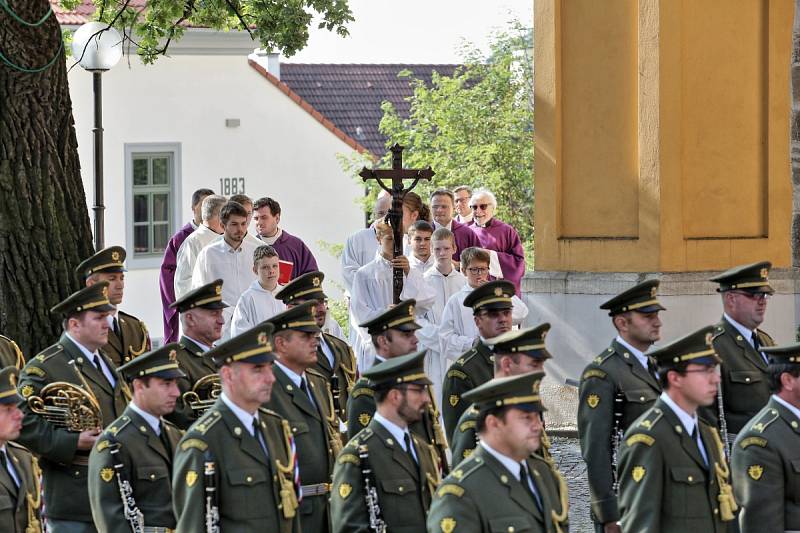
258,302
445,281
210,229
229,259
359,249
458,331
373,291
419,238
464,212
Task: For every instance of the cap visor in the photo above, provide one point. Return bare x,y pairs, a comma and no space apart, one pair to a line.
215,305
529,407
172,373
651,309
407,326
14,398
494,306
421,381
102,308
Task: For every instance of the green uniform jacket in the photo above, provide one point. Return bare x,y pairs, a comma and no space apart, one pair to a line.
315,431
64,467
15,502
344,367
195,366
481,495
361,407
475,367
132,341
147,467
614,381
766,471
10,354
404,488
664,483
248,483
465,438
745,387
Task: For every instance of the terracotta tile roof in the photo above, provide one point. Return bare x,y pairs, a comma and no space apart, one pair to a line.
350,95
83,13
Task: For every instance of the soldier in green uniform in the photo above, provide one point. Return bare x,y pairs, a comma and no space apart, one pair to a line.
738,341
75,365
201,321
127,337
491,306
616,388
20,496
134,454
10,354
504,485
673,474
303,398
235,468
384,478
515,352
335,358
393,333
766,455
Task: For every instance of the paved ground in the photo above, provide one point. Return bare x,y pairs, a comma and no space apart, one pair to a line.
567,455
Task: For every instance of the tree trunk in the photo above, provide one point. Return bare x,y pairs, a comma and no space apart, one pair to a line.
44,222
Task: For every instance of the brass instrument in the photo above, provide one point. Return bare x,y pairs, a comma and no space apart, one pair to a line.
67,405
203,394
727,502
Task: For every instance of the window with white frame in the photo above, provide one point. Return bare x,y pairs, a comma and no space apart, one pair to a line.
152,179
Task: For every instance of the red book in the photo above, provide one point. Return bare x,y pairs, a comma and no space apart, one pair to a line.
285,275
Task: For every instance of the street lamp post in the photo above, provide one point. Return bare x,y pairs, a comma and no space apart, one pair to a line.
97,47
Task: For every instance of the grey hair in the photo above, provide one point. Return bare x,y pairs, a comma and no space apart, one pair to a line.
212,206
479,193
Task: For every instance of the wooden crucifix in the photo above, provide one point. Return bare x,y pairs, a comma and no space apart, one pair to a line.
398,191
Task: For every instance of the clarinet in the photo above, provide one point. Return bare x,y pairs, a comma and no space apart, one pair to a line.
616,437
723,423
129,509
376,522
212,496
335,394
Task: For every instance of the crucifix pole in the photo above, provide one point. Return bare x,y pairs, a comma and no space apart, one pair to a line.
398,191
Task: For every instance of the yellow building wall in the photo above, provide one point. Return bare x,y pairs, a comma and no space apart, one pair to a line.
662,134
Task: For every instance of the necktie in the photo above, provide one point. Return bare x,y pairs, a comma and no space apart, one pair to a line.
651,368
699,442
304,388
529,485
410,447
259,437
7,467
757,346
162,435
99,367
115,322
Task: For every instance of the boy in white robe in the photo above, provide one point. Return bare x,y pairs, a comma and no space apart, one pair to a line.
457,331
445,281
258,302
373,291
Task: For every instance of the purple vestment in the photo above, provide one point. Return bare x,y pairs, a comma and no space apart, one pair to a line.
465,238
290,248
167,279
504,240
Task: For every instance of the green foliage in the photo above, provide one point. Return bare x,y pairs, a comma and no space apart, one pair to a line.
338,310
278,25
335,249
475,128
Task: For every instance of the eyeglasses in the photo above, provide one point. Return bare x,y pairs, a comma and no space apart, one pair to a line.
754,295
416,388
482,207
477,270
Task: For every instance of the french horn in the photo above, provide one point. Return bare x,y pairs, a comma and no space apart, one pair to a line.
204,393
67,405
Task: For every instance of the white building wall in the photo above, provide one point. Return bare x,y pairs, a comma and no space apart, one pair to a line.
279,148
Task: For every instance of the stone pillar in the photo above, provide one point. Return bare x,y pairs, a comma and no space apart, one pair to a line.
662,149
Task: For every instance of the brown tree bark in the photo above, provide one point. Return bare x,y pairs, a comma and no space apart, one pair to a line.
44,221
